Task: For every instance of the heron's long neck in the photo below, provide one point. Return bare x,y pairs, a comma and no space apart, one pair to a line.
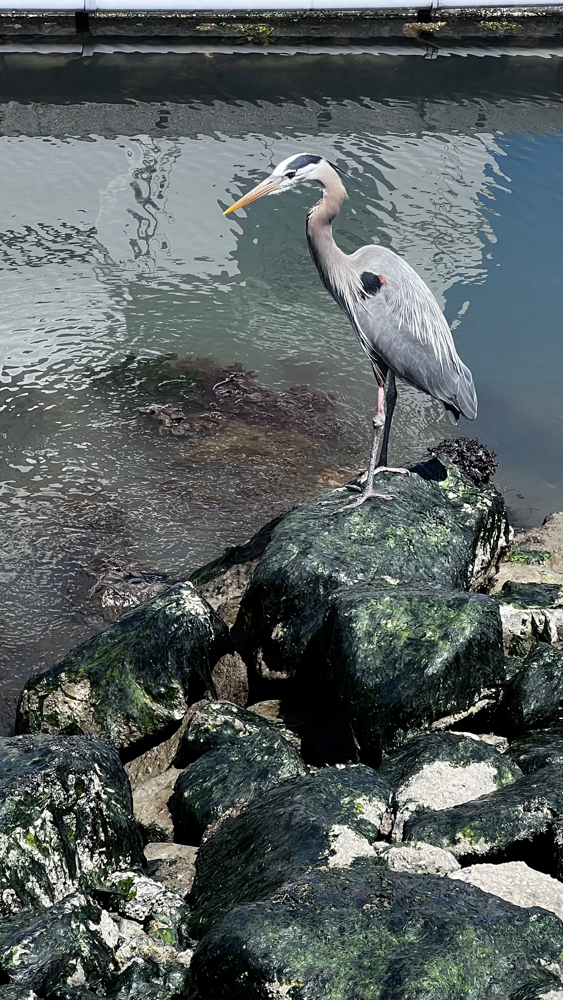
331,261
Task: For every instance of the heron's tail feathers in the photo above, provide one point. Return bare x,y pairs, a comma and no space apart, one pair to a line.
465,398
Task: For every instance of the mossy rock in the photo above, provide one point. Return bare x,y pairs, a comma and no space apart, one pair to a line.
132,680
538,749
154,981
229,778
440,531
373,934
325,819
531,595
440,770
522,821
66,818
399,659
219,724
57,946
533,698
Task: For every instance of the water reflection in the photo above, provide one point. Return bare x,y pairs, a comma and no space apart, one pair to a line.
113,247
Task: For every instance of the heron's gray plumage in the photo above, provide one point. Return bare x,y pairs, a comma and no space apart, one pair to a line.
395,315
399,324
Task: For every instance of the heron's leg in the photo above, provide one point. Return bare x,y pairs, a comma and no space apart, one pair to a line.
367,492
390,402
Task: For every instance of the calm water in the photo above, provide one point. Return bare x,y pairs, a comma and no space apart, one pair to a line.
114,253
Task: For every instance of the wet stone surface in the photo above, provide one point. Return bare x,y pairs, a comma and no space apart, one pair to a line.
440,770
324,820
65,818
523,820
441,530
367,932
226,780
133,680
534,695
398,659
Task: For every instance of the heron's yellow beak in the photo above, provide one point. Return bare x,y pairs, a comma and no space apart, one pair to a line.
265,187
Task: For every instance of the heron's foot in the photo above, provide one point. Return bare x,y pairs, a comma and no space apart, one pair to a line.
349,488
387,468
365,495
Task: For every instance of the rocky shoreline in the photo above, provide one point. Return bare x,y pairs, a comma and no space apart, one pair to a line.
326,767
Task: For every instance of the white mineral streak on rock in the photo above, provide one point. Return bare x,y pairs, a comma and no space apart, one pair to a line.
78,977
515,882
442,785
527,626
417,858
143,894
345,845
371,809
70,703
107,930
276,990
552,995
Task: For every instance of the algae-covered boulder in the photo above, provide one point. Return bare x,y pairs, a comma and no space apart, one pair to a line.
521,821
219,723
69,944
530,613
533,698
325,820
399,659
154,980
65,818
368,933
440,530
134,679
538,749
441,770
229,778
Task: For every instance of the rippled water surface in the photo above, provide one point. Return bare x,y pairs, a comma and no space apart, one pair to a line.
116,261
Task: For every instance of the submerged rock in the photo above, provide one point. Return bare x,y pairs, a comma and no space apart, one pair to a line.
134,679
519,822
69,944
370,933
533,697
440,770
325,820
65,818
227,779
440,531
530,613
219,723
399,659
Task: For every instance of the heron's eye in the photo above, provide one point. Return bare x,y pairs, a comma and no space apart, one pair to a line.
290,174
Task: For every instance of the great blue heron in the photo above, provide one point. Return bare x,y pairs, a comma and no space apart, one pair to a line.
395,315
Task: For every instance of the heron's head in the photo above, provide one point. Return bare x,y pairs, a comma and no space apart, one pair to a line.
297,169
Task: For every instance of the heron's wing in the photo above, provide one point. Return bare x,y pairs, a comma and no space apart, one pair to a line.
399,321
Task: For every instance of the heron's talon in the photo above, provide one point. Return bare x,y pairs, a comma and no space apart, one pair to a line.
362,499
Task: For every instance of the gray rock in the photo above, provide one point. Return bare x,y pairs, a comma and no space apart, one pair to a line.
230,679
439,770
530,613
66,818
533,698
225,780
153,802
133,680
524,818
517,883
366,932
416,858
440,531
219,723
172,864
324,820
398,659
71,943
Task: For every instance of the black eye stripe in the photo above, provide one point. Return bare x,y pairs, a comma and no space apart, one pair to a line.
304,160
291,173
